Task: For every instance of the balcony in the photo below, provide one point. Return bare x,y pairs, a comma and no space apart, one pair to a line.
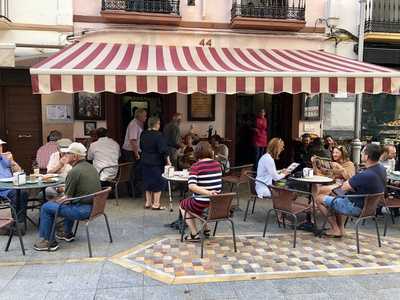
382,21
158,12
286,15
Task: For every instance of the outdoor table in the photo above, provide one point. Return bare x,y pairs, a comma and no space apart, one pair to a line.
40,185
393,177
175,178
314,180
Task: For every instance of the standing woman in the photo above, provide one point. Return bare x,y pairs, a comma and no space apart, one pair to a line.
154,158
266,170
260,135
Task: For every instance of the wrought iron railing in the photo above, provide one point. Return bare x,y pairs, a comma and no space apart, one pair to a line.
269,9
146,6
382,16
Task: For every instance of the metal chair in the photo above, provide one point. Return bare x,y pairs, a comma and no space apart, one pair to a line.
123,176
284,202
390,202
236,177
99,205
253,193
218,211
5,203
371,202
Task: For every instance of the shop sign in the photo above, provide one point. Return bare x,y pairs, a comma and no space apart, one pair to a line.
201,107
311,108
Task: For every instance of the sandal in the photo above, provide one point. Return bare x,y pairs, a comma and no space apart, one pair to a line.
159,208
147,207
207,233
192,238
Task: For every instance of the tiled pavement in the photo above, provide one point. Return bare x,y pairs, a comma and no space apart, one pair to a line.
68,274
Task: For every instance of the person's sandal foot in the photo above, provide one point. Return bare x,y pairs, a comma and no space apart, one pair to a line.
192,238
159,208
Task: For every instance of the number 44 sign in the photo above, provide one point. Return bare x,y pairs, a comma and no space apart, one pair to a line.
204,43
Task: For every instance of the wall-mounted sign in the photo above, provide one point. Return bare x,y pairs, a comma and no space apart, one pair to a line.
311,108
59,113
201,107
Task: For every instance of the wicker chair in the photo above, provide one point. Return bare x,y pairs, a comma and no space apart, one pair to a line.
284,202
123,176
236,177
253,194
99,205
218,211
371,202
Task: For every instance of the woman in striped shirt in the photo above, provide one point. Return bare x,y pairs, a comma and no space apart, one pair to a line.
205,179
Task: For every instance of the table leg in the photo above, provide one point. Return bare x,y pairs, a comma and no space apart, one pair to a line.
170,196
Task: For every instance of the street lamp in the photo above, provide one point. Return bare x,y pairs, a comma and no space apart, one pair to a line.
358,111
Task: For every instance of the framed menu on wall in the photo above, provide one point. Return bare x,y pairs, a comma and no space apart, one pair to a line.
201,107
311,108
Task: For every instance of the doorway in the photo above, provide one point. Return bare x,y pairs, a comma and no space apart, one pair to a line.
279,111
20,116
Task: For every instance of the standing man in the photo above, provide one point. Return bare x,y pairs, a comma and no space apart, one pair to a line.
172,134
131,147
82,180
260,135
104,153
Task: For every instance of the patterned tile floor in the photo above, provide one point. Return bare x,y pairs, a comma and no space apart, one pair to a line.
168,260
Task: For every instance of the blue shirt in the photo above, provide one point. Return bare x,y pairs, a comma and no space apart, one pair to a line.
5,172
370,181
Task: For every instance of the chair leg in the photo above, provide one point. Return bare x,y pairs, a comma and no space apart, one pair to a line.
88,240
10,236
21,242
76,227
266,221
215,228
357,237
247,208
202,238
233,234
116,193
237,196
295,230
345,222
254,205
392,215
377,232
386,225
108,227
183,226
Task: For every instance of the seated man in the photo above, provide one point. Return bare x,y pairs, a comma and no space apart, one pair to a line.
7,167
44,152
83,179
104,152
372,180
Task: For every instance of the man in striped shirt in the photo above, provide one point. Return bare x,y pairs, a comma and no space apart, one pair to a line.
205,179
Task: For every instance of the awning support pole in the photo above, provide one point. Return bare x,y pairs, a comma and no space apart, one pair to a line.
356,149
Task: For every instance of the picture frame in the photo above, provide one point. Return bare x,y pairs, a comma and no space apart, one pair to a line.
201,107
89,106
88,126
311,107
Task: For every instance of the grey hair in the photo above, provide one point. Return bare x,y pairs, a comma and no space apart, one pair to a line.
139,112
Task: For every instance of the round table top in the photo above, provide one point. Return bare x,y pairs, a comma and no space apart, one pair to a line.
314,179
180,178
394,177
39,185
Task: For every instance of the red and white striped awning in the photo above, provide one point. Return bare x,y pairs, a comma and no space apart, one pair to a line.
120,68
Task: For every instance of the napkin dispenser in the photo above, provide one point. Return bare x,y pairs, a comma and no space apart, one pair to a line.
19,178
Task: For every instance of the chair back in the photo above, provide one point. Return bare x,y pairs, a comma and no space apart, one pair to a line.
220,206
124,171
99,202
251,176
244,170
282,198
371,202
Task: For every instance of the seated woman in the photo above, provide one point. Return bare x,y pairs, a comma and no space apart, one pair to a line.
221,152
266,170
205,179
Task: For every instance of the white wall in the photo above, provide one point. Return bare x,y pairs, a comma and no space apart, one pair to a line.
202,127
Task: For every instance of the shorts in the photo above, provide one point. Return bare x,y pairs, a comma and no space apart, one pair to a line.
342,205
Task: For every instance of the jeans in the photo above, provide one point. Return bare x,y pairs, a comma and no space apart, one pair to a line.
71,213
342,205
18,204
260,151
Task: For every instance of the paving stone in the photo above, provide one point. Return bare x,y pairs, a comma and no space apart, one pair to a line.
168,292
120,294
72,294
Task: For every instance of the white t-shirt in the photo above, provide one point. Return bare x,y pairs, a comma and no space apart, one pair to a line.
266,172
53,162
105,152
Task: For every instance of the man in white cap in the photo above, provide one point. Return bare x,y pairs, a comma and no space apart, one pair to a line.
7,167
82,180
